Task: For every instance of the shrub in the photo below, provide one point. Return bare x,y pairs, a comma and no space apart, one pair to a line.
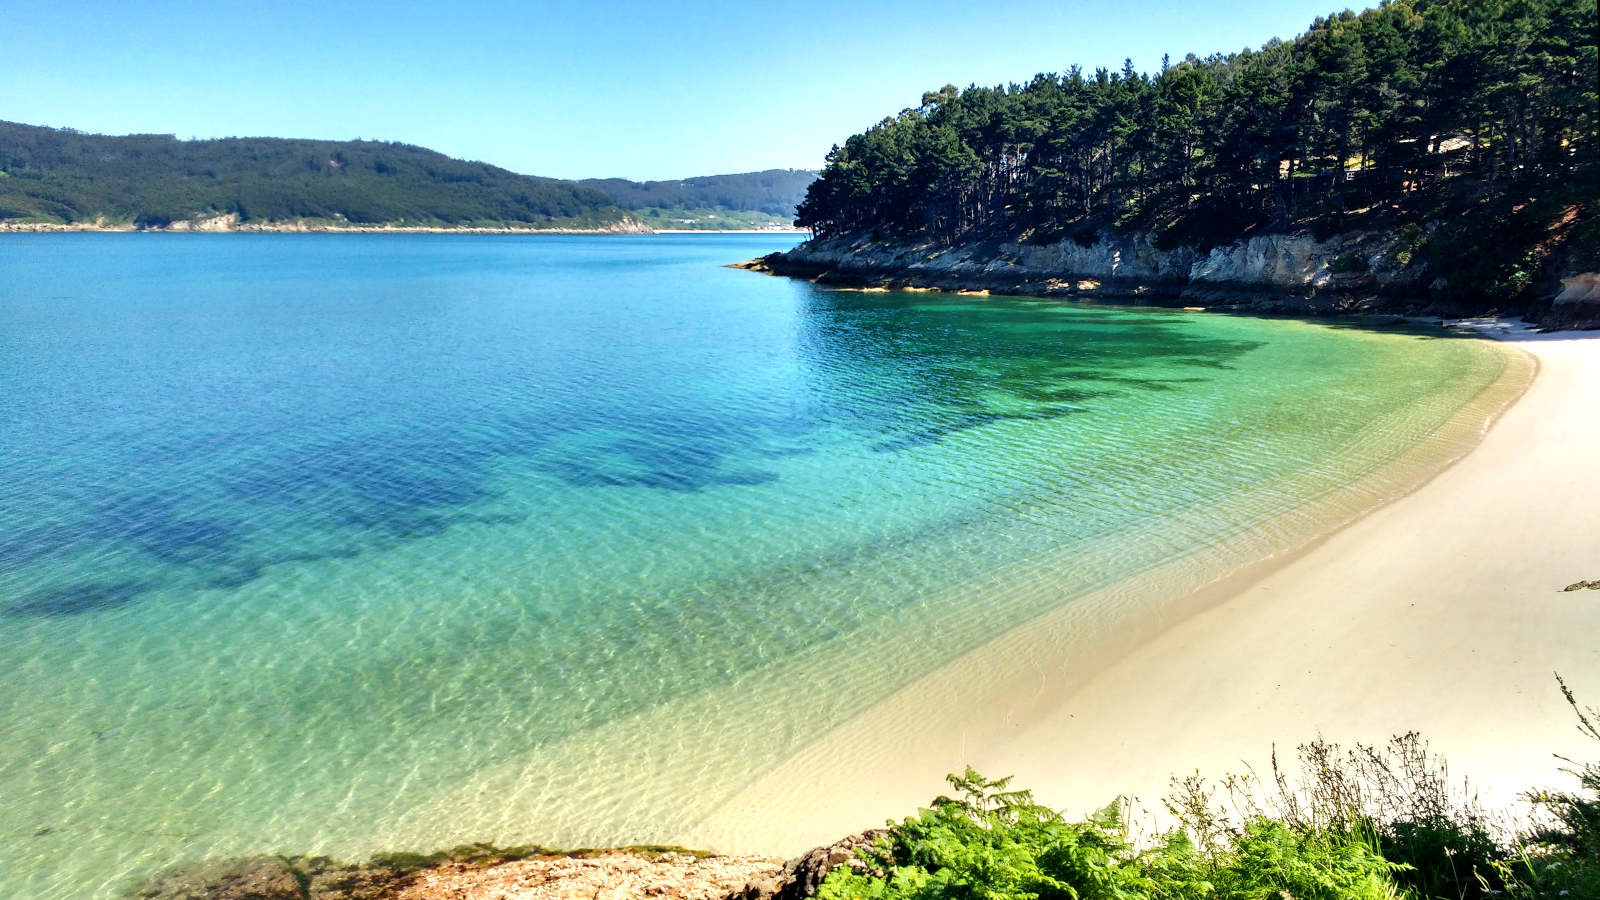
997,844
1443,838
1370,823
1561,857
1269,858
1350,264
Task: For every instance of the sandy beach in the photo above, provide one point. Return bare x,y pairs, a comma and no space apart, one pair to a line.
1440,612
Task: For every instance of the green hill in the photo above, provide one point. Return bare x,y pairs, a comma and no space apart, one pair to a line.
748,200
50,175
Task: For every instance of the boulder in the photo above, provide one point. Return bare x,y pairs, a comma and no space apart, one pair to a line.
1577,305
800,877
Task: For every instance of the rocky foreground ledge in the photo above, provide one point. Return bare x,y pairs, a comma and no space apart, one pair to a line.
1357,272
483,872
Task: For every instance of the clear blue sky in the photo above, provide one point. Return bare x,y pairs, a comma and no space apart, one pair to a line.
641,90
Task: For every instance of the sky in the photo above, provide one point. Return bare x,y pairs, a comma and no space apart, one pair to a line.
640,90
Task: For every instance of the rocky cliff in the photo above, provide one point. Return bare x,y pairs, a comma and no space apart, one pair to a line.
1354,272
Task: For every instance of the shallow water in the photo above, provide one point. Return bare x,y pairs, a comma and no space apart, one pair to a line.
345,543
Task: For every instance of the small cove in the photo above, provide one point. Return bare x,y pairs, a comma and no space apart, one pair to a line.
337,544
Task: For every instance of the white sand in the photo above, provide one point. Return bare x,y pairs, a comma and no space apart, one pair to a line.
1440,612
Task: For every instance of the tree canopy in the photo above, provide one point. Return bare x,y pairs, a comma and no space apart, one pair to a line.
1472,119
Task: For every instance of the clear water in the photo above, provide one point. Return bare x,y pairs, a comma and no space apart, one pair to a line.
338,544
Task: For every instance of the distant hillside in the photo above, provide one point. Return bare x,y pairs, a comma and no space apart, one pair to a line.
153,180
751,199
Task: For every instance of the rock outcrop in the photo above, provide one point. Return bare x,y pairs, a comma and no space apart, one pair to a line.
1274,272
613,875
801,876
476,872
1578,303
302,877
484,872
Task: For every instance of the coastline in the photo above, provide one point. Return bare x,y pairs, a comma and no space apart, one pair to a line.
1079,730
208,227
1429,600
730,231
224,226
1265,274
1269,274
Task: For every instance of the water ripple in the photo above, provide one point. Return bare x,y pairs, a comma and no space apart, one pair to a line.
343,545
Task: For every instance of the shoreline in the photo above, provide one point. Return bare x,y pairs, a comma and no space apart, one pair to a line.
305,228
302,228
1077,731
1270,274
729,231
1267,275
1384,621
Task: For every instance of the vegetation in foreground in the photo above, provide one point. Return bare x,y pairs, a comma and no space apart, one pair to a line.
1373,823
1468,129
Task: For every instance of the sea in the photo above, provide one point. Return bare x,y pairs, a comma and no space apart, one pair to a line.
338,544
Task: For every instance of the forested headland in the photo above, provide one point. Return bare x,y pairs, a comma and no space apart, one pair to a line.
1463,130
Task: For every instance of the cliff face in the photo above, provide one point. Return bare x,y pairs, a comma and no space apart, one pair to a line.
1278,272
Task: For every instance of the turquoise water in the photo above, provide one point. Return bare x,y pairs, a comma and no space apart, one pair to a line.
336,544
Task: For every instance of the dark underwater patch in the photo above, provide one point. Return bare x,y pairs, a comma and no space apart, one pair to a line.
77,599
152,524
